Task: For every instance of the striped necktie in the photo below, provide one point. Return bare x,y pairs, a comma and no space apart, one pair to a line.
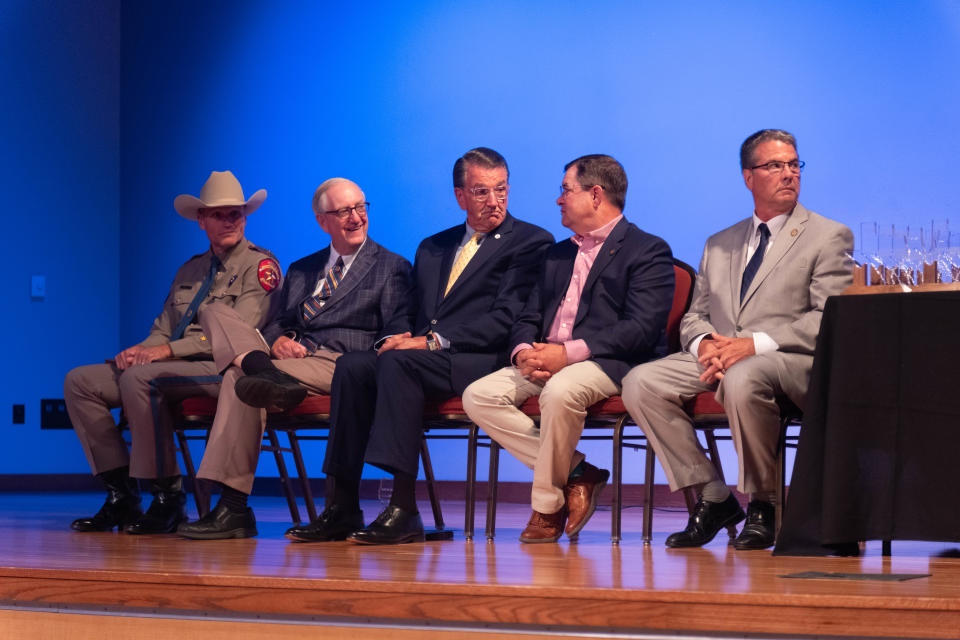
468,251
754,265
197,300
312,305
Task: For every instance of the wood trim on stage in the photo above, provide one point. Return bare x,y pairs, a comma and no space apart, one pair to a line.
591,585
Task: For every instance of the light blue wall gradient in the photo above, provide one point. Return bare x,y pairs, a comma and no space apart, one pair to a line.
287,94
59,170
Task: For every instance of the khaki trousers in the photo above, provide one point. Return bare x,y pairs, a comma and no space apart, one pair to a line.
149,395
655,393
233,449
492,401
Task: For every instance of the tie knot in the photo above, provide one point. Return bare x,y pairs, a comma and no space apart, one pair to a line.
339,264
764,230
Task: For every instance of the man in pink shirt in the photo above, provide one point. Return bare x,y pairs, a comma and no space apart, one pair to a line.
599,308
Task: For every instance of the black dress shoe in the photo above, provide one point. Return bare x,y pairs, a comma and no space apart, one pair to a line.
270,389
166,511
335,523
706,520
117,511
758,532
219,524
392,526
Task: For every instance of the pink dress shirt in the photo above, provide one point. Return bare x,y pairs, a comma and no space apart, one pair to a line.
561,329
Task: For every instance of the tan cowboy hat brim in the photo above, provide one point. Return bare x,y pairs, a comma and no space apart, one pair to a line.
222,189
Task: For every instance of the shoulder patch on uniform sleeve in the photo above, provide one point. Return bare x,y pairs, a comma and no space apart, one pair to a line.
268,272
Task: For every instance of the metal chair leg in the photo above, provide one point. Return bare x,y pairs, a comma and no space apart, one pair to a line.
616,504
284,476
302,474
493,484
651,460
431,483
471,498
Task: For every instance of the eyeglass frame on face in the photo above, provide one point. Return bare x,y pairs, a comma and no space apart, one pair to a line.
481,194
564,191
795,165
360,209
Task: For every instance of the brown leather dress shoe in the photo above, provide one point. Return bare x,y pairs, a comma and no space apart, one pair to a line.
544,527
581,496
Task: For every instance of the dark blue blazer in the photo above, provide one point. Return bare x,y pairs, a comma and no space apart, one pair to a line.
373,299
487,298
624,305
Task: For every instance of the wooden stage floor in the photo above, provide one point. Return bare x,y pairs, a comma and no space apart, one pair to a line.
92,585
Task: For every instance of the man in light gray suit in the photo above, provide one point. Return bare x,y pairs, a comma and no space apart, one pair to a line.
750,335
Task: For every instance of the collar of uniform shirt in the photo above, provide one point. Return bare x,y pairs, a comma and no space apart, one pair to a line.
597,236
231,252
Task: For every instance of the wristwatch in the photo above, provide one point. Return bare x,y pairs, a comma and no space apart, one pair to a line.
432,343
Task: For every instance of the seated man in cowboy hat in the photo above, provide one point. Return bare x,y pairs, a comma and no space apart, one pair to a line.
337,300
172,363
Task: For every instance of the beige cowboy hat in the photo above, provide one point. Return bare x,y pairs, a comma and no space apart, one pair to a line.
221,189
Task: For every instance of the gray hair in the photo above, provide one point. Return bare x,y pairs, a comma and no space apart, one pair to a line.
764,135
481,157
320,196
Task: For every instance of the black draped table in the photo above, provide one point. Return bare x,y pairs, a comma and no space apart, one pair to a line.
877,456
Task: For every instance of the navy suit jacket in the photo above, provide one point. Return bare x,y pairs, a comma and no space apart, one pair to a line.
625,302
373,298
487,298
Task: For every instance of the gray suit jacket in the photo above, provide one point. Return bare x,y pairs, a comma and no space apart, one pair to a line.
808,262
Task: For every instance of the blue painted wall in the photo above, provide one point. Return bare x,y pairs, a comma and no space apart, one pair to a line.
287,94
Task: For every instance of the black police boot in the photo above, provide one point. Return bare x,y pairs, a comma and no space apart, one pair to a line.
121,507
166,511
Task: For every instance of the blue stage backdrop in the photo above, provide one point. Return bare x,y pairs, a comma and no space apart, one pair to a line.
287,94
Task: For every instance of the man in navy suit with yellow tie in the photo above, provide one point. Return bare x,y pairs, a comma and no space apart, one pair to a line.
335,301
471,281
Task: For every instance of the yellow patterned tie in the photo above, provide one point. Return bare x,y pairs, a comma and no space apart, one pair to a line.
466,254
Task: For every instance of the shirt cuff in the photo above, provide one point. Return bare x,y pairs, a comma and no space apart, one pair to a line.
577,351
694,348
762,343
443,342
517,349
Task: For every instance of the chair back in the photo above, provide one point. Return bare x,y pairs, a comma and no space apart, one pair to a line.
684,276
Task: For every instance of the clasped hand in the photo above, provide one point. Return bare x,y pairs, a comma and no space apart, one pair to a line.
718,353
138,354
403,341
542,361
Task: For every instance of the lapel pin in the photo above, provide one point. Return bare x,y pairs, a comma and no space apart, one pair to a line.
612,251
496,236
793,232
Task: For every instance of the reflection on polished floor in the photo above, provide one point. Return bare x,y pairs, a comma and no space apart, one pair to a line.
501,585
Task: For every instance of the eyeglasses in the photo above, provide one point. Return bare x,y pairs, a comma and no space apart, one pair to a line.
480,194
776,166
231,216
565,191
360,208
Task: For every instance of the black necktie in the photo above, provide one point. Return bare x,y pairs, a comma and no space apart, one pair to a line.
197,299
312,305
754,265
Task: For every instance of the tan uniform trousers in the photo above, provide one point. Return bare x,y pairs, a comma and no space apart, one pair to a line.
148,394
551,451
655,393
233,449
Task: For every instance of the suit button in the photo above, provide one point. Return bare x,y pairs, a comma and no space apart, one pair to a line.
434,321
739,328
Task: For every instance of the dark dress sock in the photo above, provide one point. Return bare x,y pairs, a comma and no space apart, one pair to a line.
235,501
404,492
255,362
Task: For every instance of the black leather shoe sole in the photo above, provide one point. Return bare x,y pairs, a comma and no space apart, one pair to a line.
302,534
239,532
369,537
153,528
267,394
